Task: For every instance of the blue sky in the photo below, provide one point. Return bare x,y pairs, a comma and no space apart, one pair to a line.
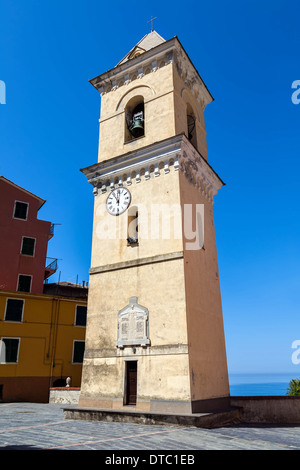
248,55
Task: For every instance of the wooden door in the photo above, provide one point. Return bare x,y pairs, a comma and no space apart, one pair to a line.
131,385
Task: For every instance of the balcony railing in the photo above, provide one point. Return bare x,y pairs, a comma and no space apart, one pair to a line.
51,265
51,232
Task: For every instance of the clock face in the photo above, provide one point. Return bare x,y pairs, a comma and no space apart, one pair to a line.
118,201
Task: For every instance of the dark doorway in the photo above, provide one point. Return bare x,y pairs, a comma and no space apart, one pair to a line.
131,382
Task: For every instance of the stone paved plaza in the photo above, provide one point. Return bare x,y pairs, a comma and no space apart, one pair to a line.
29,426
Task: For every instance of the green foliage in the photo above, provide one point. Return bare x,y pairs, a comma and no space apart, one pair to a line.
294,388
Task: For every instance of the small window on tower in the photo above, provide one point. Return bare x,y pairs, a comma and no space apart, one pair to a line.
191,126
135,119
133,227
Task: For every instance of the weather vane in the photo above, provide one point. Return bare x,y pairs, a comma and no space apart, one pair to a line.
152,19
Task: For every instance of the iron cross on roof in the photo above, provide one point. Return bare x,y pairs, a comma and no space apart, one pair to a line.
152,19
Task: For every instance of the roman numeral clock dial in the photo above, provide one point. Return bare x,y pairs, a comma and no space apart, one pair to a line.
118,201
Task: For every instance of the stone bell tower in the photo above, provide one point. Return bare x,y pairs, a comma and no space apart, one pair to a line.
154,338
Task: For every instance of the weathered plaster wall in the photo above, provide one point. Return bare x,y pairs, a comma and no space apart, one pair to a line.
110,232
208,365
163,366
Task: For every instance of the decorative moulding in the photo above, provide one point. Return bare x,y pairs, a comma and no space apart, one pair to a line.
150,61
173,154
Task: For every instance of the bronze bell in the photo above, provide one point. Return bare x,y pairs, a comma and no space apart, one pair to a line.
137,125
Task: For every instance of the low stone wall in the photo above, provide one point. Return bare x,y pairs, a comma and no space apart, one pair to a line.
64,395
268,409
277,410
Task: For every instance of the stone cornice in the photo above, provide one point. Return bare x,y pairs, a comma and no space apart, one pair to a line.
173,154
157,350
198,171
170,51
137,262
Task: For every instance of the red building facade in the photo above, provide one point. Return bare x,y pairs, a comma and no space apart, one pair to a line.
24,240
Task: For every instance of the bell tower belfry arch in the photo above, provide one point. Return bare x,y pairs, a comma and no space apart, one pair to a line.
155,337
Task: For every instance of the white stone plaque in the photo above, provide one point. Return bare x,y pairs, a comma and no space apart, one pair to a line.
133,325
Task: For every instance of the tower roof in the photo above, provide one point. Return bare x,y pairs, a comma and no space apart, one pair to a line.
151,46
149,41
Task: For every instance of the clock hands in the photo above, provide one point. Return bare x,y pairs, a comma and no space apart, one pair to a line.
117,198
118,201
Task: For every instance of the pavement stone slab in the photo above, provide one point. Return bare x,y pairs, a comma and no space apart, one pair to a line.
34,426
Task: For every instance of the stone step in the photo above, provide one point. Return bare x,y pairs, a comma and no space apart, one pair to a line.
200,420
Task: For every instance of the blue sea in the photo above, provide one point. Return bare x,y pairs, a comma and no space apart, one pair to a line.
260,384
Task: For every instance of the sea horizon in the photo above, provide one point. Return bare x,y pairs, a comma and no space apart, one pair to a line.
260,383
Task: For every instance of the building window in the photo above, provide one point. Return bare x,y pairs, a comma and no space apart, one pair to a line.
135,119
21,210
24,283
28,245
133,226
78,352
9,350
14,310
80,317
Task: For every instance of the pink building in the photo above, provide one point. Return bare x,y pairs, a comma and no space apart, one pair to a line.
24,240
